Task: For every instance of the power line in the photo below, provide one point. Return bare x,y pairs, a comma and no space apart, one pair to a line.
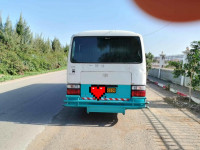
157,30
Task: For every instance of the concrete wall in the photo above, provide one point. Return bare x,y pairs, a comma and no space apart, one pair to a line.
186,81
153,72
168,75
165,74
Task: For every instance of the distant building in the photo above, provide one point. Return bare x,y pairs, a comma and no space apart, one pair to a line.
174,57
167,58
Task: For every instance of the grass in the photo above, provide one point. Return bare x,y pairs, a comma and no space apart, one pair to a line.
4,78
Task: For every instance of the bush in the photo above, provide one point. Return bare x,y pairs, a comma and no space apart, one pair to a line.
20,52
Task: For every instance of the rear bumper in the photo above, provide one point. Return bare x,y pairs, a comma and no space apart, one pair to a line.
104,105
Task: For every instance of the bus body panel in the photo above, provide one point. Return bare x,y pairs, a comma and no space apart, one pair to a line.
104,78
121,75
138,71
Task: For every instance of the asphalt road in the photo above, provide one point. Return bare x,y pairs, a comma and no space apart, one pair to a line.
32,117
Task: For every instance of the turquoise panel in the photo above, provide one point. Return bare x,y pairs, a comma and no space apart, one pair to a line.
122,91
105,106
106,109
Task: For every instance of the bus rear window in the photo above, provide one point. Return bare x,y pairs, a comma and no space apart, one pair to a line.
106,50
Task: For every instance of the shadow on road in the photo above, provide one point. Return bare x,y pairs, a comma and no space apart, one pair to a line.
39,103
79,117
159,104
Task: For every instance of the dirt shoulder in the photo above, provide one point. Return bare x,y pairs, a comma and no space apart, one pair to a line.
177,101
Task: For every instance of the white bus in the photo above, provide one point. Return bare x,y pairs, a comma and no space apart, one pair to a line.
106,71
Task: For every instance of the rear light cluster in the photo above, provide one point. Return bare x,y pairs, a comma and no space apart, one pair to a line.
138,91
73,89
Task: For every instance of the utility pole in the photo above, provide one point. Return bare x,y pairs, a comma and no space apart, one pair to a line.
161,63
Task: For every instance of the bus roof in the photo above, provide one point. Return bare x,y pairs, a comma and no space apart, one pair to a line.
107,33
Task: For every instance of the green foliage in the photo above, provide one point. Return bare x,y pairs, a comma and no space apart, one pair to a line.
191,68
149,61
8,26
178,68
21,53
56,46
23,31
1,23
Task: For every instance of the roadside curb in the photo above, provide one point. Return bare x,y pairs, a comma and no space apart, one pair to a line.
175,91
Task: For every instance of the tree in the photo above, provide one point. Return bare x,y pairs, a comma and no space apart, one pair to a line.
8,26
1,28
7,33
66,48
149,61
20,26
1,23
48,47
23,31
56,46
176,64
191,68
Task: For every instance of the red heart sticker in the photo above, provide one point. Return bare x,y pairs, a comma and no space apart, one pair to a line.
98,92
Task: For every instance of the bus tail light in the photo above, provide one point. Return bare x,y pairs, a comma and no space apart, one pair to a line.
138,91
73,89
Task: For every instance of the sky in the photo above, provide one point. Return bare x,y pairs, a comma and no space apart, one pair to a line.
63,18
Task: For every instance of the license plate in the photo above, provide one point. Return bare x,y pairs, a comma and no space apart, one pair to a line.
111,90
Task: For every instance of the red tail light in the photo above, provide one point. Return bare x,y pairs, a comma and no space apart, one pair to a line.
73,91
138,93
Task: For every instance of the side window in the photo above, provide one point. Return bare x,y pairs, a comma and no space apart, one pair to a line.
73,49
